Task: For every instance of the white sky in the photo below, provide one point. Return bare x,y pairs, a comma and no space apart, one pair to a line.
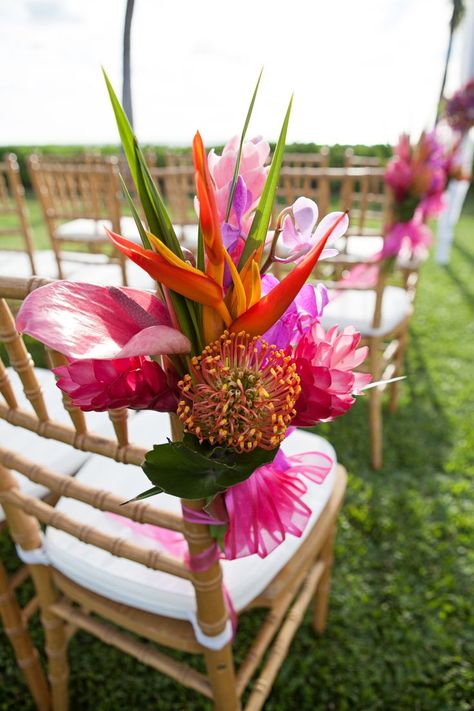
362,70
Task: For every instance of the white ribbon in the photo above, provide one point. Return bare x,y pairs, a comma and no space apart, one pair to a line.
36,556
217,641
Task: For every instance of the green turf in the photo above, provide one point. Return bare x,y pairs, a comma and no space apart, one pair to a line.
401,628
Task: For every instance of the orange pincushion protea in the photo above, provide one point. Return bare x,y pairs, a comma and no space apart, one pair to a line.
240,392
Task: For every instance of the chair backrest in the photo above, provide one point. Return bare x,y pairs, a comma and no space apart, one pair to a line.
179,160
211,609
13,205
178,187
306,160
364,196
313,183
352,160
70,190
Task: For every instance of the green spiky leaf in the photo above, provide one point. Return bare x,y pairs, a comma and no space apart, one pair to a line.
258,230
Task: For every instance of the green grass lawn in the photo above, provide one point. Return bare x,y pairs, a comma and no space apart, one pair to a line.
401,624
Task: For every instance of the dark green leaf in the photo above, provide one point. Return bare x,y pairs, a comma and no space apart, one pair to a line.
261,220
136,216
145,494
193,471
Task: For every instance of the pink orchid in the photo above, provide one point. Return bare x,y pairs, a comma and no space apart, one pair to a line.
253,173
87,321
138,383
325,363
299,234
268,505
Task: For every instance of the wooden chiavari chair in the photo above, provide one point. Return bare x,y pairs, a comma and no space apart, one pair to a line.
306,160
352,160
12,203
88,562
78,200
177,185
39,393
381,312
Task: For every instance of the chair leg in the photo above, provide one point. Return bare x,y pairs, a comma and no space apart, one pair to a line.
25,652
55,638
220,670
123,269
375,409
399,358
321,598
57,256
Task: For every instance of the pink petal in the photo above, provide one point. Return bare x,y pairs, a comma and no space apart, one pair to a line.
306,214
155,340
326,223
87,321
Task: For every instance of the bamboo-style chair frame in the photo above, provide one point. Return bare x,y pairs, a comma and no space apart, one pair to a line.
306,160
66,606
177,185
12,202
70,189
386,352
360,191
352,160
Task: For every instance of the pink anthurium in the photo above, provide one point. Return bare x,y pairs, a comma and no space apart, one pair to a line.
87,321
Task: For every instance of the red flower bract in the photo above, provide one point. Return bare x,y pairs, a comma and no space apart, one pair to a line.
138,383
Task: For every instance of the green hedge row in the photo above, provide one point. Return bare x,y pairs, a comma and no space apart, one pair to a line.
336,152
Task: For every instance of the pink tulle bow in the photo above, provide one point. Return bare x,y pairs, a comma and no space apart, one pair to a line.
268,505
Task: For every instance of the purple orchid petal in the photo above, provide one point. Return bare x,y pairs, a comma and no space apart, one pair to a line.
87,321
242,200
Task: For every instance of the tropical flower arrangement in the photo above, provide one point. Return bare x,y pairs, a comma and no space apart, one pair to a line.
237,357
416,176
459,110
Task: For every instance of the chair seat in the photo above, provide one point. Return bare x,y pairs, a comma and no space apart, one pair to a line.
354,307
135,585
55,455
111,275
188,236
364,246
88,230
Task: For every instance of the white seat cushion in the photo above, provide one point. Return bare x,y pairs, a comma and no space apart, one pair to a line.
364,246
133,584
90,230
356,308
188,236
57,456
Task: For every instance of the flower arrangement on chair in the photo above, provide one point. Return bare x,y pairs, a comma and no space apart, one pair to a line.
417,177
237,357
459,109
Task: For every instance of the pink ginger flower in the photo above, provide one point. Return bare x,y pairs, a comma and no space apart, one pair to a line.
138,383
105,332
325,363
252,172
